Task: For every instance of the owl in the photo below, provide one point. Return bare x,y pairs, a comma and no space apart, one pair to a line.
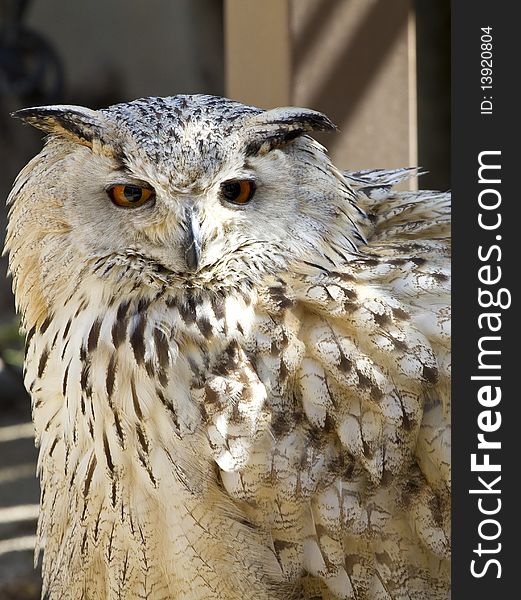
237,355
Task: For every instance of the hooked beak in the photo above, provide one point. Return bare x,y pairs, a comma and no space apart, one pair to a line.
192,242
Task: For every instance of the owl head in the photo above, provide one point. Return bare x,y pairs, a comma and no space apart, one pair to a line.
199,190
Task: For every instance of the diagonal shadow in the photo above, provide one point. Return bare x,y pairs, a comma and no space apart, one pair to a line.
316,23
350,76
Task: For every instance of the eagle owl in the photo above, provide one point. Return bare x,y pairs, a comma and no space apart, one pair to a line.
238,358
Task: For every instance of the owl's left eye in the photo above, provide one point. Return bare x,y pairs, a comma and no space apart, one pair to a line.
130,196
238,191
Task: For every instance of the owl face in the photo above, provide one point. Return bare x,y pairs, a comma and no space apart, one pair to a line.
203,188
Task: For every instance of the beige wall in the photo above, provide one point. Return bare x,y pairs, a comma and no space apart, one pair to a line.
258,52
352,59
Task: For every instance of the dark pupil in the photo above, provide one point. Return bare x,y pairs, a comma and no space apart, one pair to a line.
133,193
232,190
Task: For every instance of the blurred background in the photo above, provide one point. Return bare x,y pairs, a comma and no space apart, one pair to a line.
380,69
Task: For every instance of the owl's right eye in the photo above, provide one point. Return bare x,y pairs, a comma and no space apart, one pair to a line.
130,196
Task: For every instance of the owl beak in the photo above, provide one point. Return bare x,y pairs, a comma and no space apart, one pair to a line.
192,242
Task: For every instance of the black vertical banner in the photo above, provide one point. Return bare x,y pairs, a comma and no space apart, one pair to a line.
486,168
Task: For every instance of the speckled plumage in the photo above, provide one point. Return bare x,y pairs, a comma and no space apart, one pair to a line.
271,424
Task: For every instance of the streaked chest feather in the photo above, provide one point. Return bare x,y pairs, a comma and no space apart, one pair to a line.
308,401
124,459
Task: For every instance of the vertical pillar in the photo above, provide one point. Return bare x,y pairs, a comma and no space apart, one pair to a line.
257,52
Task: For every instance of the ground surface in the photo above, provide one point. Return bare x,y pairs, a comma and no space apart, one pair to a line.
19,495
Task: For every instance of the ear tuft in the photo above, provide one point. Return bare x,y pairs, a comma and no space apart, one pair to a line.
82,124
296,119
278,126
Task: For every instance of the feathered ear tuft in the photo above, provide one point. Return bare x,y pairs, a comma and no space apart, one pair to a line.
82,124
278,126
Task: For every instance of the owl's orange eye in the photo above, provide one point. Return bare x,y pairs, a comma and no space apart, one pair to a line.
130,196
238,191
